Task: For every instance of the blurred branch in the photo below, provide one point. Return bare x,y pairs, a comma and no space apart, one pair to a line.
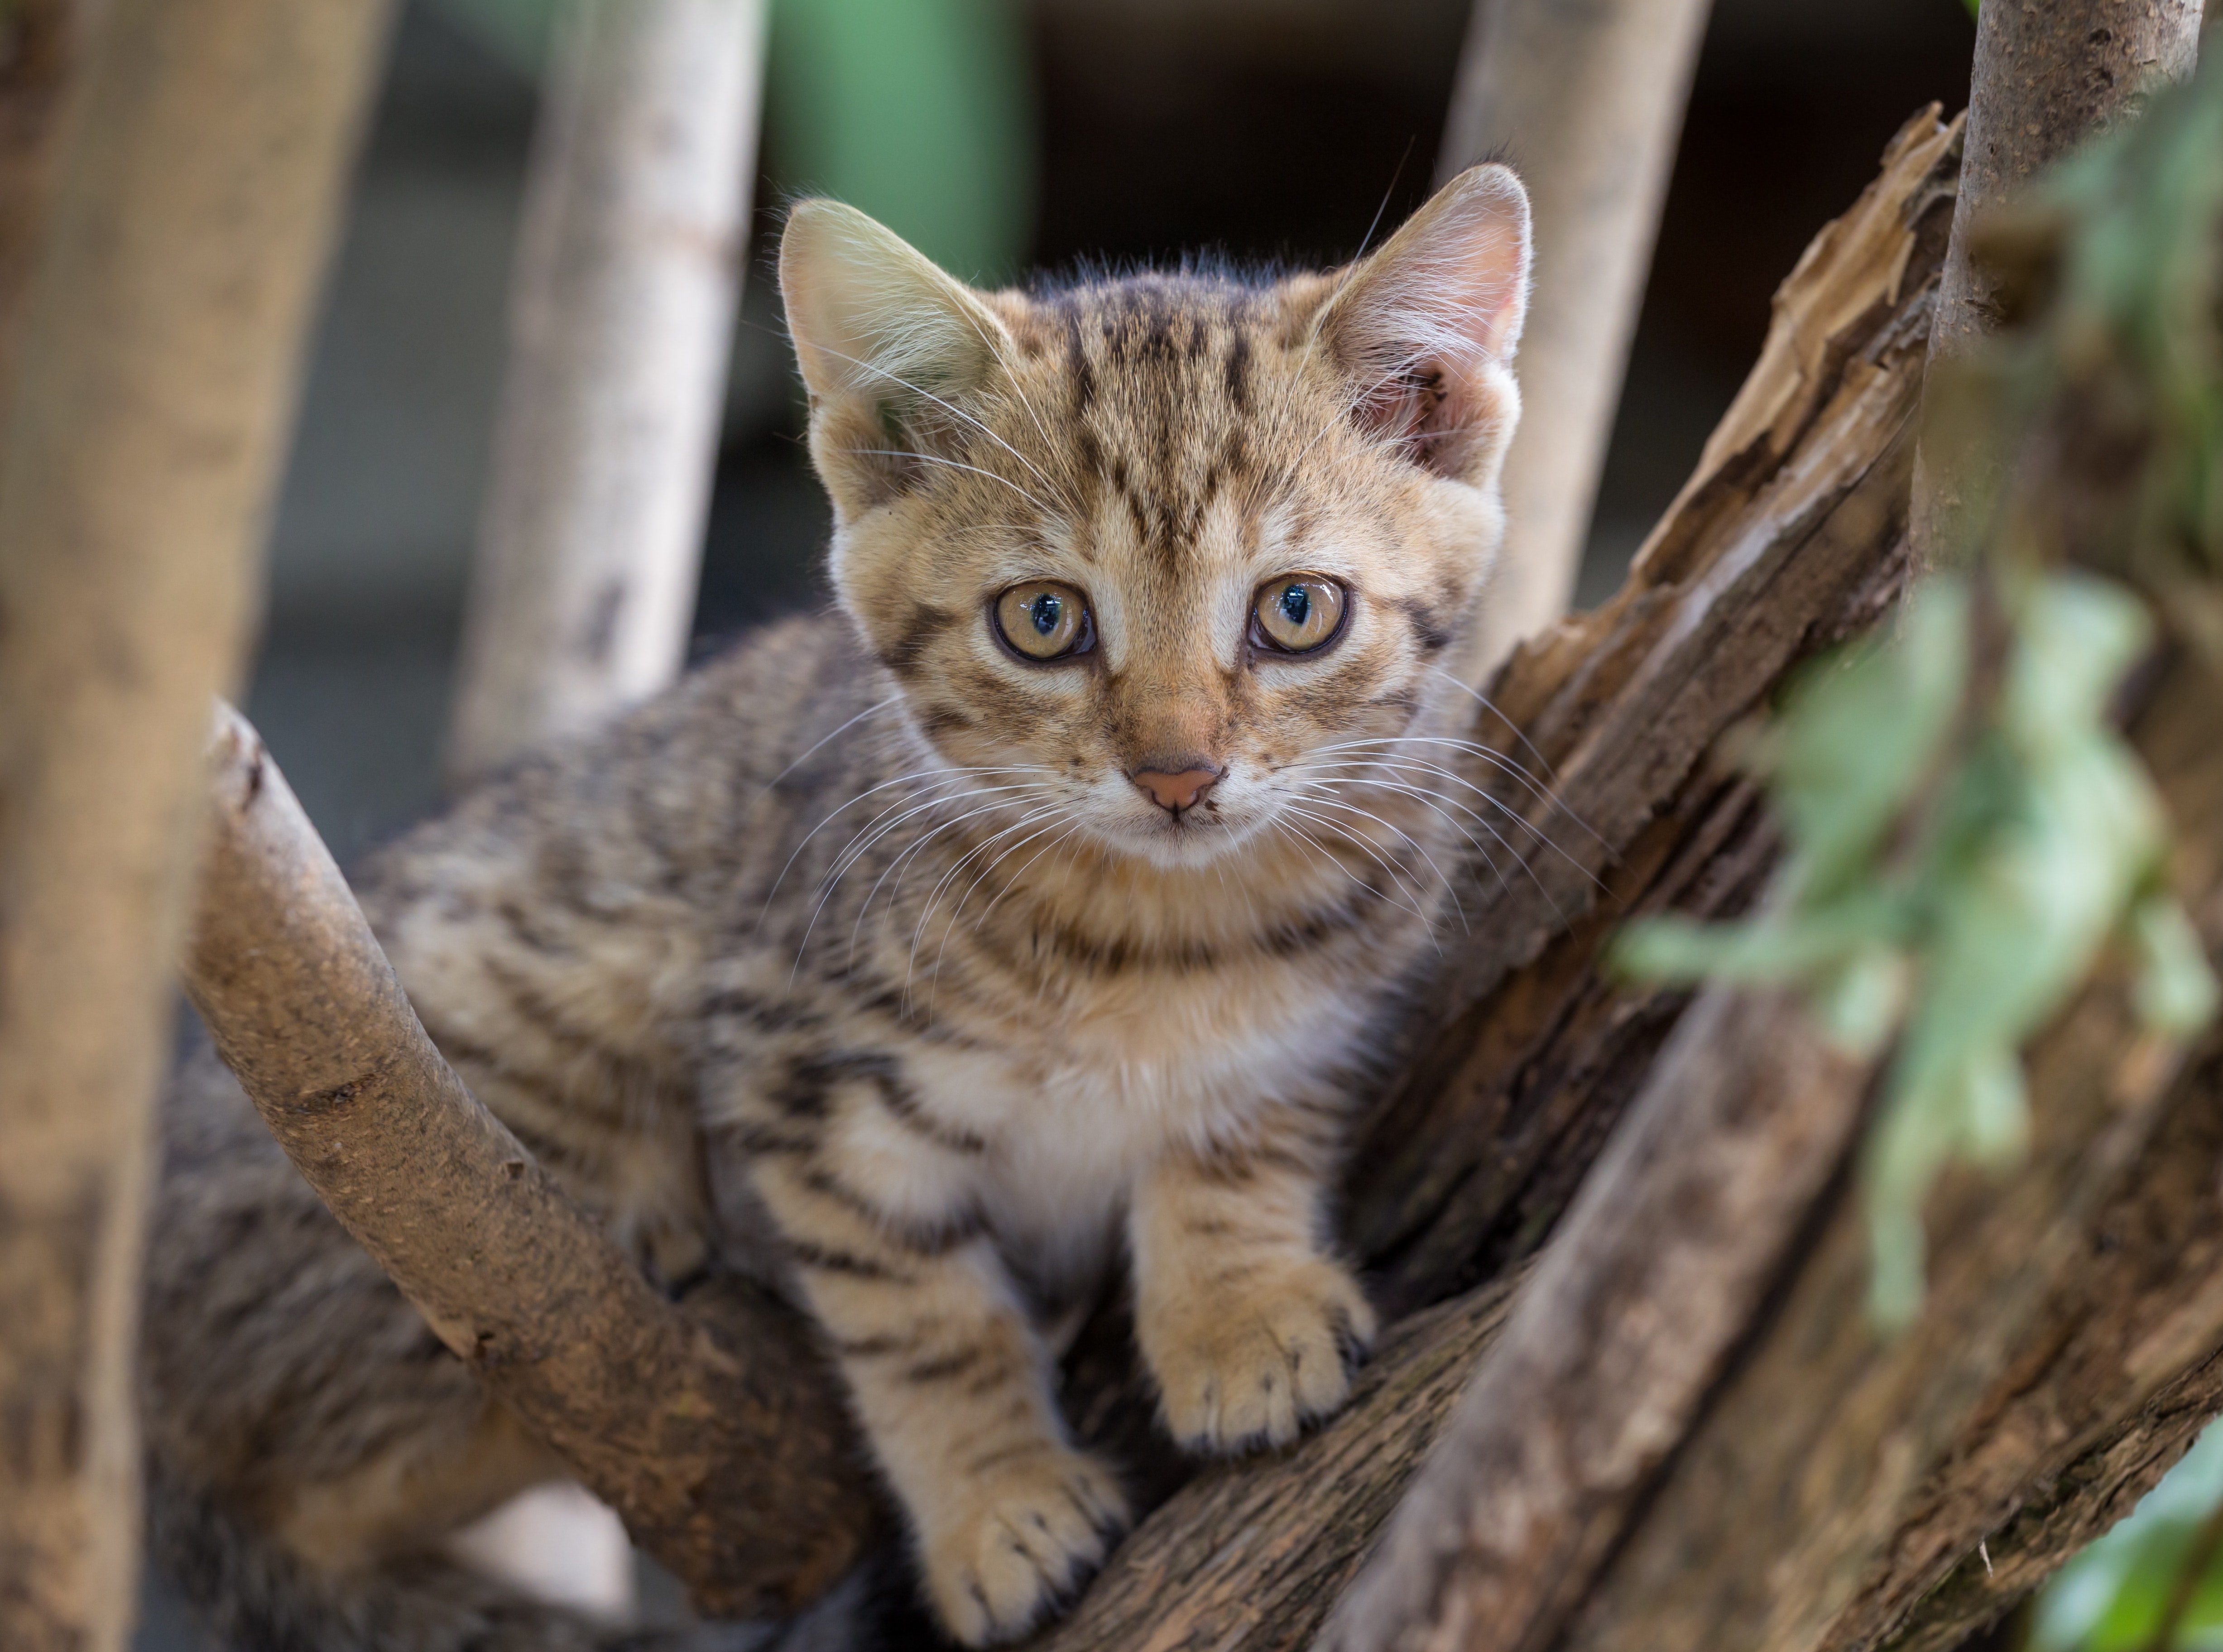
621,312
179,235
41,45
2046,79
716,1433
1587,102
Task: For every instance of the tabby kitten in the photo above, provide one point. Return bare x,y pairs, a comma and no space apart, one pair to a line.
1039,906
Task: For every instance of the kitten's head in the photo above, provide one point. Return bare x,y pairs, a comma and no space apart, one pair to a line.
1162,545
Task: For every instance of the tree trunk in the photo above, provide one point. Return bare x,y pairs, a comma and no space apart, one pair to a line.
635,231
147,405
2046,78
719,1436
1587,100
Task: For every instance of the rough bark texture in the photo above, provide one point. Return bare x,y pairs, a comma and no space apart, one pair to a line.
147,404
1627,1320
2047,76
718,1433
1587,100
620,317
1837,1478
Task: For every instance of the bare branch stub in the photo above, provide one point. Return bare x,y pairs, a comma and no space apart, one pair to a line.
716,1431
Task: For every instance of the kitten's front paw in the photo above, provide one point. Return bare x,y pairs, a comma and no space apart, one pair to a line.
1252,1363
1005,1550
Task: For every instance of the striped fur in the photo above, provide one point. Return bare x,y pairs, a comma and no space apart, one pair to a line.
859,958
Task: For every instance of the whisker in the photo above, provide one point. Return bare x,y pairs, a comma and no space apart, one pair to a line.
921,390
1449,892
926,912
817,744
915,775
934,980
1490,706
1513,816
935,458
1401,878
851,856
1440,804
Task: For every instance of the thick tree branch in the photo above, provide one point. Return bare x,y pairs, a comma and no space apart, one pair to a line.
717,1433
158,253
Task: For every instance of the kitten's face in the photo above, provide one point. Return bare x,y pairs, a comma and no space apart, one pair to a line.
1157,553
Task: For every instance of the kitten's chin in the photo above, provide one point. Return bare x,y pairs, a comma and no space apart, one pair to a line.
1179,845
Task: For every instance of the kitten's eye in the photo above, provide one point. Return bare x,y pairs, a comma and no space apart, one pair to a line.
1044,620
1297,613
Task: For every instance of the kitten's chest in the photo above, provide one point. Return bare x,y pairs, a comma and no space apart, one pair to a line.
1107,1079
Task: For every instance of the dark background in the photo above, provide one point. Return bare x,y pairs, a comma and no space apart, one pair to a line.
1265,128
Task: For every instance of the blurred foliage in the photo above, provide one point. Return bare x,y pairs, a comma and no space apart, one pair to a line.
1968,832
919,112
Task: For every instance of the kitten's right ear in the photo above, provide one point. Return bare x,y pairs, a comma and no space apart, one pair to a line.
886,343
1426,328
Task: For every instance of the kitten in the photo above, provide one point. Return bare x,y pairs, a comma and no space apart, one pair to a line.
1040,905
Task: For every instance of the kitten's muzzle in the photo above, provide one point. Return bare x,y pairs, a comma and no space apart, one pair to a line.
1176,792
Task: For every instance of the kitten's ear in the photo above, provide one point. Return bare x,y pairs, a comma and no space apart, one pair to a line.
886,343
1425,329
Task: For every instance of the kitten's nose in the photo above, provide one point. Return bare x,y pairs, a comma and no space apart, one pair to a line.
1176,791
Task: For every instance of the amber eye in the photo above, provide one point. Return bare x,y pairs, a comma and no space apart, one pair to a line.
1044,620
1297,613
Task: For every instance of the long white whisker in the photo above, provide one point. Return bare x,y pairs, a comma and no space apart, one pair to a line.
1490,706
817,744
921,390
1061,818
851,856
1366,767
1419,848
915,775
935,458
934,896
1402,879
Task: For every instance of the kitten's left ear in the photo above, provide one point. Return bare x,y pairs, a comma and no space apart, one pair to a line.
1425,329
889,346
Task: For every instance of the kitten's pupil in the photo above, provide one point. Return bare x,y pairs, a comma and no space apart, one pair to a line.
1296,604
1045,610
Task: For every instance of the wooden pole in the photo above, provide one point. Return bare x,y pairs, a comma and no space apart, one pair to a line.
1586,100
718,1436
196,184
2046,78
621,312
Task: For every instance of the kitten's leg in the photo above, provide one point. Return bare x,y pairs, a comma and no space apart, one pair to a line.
953,1390
1248,1328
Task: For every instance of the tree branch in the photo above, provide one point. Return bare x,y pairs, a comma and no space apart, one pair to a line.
2045,79
717,1433
1587,100
636,231
182,210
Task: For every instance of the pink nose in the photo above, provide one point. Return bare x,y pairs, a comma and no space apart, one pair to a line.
1176,791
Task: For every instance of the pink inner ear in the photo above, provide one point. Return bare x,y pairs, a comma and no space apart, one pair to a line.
1438,307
